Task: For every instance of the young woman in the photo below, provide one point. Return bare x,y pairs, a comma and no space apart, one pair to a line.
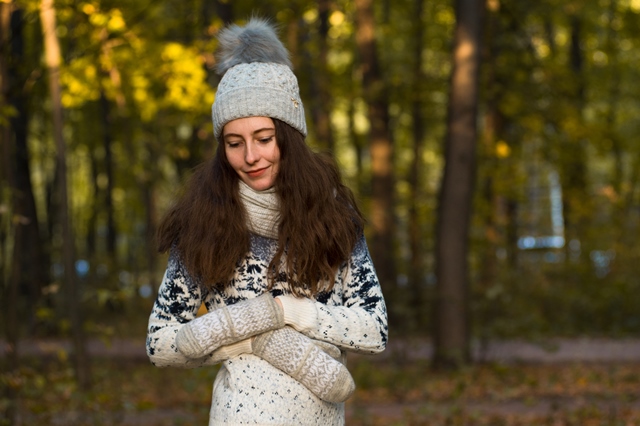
270,240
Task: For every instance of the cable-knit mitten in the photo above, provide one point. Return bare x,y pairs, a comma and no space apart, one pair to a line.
229,324
298,356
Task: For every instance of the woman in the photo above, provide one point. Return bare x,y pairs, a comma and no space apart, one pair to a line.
270,240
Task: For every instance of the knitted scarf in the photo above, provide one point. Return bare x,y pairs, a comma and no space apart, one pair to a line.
263,209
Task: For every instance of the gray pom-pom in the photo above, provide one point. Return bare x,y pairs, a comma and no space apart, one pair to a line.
255,42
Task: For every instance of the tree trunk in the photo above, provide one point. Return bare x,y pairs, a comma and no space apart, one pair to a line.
148,193
380,149
52,60
416,262
31,256
107,142
321,83
619,219
8,285
358,146
615,79
451,334
224,10
8,268
92,224
573,158
491,201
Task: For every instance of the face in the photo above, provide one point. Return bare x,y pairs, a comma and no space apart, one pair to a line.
251,148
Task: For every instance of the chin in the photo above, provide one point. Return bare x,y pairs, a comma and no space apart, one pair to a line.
260,186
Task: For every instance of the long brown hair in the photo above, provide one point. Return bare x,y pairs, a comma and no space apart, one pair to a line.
319,219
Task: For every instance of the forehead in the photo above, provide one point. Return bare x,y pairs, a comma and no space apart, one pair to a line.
247,125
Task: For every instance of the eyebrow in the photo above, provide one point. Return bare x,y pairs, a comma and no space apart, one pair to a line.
254,133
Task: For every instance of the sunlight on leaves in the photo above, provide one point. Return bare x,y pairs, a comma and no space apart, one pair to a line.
80,83
502,149
185,78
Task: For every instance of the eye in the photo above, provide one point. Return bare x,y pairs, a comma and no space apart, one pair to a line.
233,144
266,140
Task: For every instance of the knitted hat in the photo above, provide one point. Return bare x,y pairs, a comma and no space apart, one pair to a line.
257,80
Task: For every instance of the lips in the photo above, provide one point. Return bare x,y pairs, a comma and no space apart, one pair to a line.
256,173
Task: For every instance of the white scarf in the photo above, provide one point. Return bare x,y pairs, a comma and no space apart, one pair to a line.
263,209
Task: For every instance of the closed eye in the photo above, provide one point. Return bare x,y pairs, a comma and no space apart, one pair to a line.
266,140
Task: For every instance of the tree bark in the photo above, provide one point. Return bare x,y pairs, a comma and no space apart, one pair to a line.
380,148
52,60
452,334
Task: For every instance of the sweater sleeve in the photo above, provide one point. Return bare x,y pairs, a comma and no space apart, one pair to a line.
360,324
178,301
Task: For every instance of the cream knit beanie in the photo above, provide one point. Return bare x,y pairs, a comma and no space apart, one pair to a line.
257,80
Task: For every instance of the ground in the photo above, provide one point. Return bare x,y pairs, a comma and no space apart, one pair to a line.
396,389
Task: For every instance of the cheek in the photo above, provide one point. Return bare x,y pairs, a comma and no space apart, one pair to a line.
275,154
234,160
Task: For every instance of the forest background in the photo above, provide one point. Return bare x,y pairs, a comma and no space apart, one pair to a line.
503,203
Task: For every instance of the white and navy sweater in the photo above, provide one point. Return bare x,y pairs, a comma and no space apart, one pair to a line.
247,389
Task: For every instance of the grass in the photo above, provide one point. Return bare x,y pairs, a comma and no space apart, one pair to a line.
128,392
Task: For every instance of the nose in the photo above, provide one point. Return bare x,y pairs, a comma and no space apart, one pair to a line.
251,154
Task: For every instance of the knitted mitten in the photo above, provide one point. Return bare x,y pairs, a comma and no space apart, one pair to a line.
298,356
332,350
245,346
226,352
229,324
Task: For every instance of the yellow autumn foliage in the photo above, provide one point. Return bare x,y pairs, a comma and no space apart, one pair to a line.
80,82
185,78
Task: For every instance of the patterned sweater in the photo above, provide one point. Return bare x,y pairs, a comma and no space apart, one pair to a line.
247,389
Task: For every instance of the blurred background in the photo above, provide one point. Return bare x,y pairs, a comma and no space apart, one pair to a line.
492,146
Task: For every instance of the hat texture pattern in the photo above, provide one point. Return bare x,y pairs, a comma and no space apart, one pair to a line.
257,78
